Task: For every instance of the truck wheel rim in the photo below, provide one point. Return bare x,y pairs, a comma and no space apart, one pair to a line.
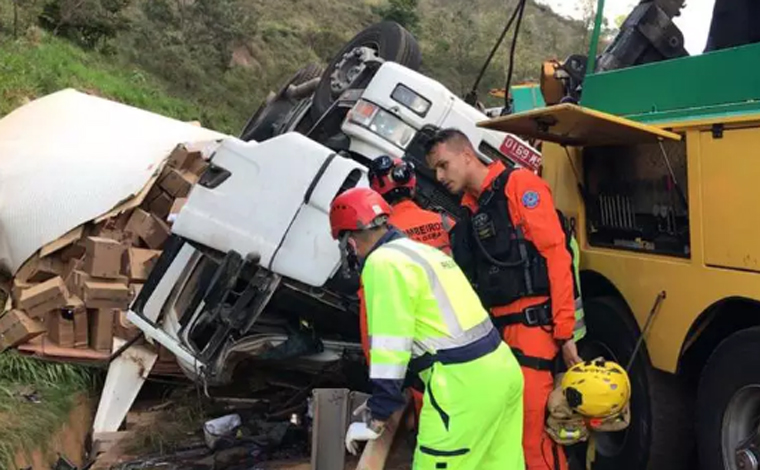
350,66
739,434
608,444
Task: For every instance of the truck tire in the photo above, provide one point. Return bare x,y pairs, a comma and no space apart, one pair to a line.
388,39
728,400
260,126
659,435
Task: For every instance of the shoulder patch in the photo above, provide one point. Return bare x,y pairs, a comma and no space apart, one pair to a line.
530,199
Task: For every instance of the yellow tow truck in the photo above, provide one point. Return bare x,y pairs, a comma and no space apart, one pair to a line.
654,157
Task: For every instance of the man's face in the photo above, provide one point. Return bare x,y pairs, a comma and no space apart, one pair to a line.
450,166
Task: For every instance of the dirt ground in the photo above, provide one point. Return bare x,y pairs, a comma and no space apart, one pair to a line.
69,441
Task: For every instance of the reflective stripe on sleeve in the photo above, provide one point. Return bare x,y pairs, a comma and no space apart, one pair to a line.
387,371
391,343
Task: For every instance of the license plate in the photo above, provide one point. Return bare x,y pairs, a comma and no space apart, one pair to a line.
520,153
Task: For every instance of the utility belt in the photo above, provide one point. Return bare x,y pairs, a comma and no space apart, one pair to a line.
535,316
475,350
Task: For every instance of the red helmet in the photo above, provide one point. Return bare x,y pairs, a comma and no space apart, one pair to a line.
393,178
357,209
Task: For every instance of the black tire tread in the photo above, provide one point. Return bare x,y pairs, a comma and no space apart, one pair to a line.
670,404
733,364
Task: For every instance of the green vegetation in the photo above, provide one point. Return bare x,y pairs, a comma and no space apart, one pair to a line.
24,424
172,427
216,60
32,68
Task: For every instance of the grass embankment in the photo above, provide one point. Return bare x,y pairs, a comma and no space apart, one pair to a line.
36,398
32,67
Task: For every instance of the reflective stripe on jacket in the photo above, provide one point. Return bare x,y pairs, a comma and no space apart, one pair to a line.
418,302
579,331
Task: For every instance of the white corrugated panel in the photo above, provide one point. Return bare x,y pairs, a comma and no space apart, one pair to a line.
68,158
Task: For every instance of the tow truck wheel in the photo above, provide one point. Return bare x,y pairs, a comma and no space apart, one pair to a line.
728,404
659,435
387,40
260,126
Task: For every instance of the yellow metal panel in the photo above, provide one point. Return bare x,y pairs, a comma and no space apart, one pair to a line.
569,124
730,199
691,285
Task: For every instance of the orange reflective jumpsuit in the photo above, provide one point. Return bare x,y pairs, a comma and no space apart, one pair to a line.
420,225
537,218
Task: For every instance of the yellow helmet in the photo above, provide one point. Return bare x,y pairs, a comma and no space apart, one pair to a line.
597,389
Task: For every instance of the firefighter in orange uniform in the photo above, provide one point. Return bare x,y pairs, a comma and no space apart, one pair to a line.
396,181
512,248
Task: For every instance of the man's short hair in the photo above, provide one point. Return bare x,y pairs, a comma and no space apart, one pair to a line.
453,137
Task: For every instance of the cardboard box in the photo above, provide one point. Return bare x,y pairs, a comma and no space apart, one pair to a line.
17,328
139,262
75,251
71,266
149,228
100,323
124,328
44,297
18,286
178,157
161,205
81,330
60,328
103,258
38,269
177,183
75,282
153,193
106,295
195,164
66,240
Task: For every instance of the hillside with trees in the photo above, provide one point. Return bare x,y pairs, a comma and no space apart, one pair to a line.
215,60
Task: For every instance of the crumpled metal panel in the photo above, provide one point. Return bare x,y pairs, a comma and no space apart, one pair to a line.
68,158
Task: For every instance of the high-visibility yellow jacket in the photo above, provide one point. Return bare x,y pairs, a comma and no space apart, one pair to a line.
421,309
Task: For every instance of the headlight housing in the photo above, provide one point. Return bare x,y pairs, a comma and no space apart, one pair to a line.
382,123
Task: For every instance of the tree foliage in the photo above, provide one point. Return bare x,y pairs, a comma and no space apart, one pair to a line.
90,23
403,12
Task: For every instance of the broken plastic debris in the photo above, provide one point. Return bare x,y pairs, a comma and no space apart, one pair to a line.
219,428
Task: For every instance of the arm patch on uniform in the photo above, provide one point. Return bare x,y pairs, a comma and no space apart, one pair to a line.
530,199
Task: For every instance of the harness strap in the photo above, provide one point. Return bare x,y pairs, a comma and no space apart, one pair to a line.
538,315
532,362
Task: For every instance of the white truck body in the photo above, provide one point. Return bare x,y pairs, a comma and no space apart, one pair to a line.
68,158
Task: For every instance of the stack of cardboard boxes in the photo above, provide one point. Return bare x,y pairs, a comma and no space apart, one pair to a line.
74,291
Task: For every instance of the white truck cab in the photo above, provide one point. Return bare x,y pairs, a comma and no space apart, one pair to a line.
398,102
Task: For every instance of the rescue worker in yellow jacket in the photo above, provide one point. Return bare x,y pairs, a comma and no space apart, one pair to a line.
424,316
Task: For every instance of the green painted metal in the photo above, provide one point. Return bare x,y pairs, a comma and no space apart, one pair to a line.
595,38
685,87
714,113
527,98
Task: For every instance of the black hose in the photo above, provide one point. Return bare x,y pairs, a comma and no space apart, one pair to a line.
472,96
521,9
491,259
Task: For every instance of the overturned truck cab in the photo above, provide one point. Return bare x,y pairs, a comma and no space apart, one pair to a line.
249,263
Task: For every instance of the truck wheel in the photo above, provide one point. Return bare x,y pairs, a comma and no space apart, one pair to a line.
260,126
387,40
659,435
729,404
